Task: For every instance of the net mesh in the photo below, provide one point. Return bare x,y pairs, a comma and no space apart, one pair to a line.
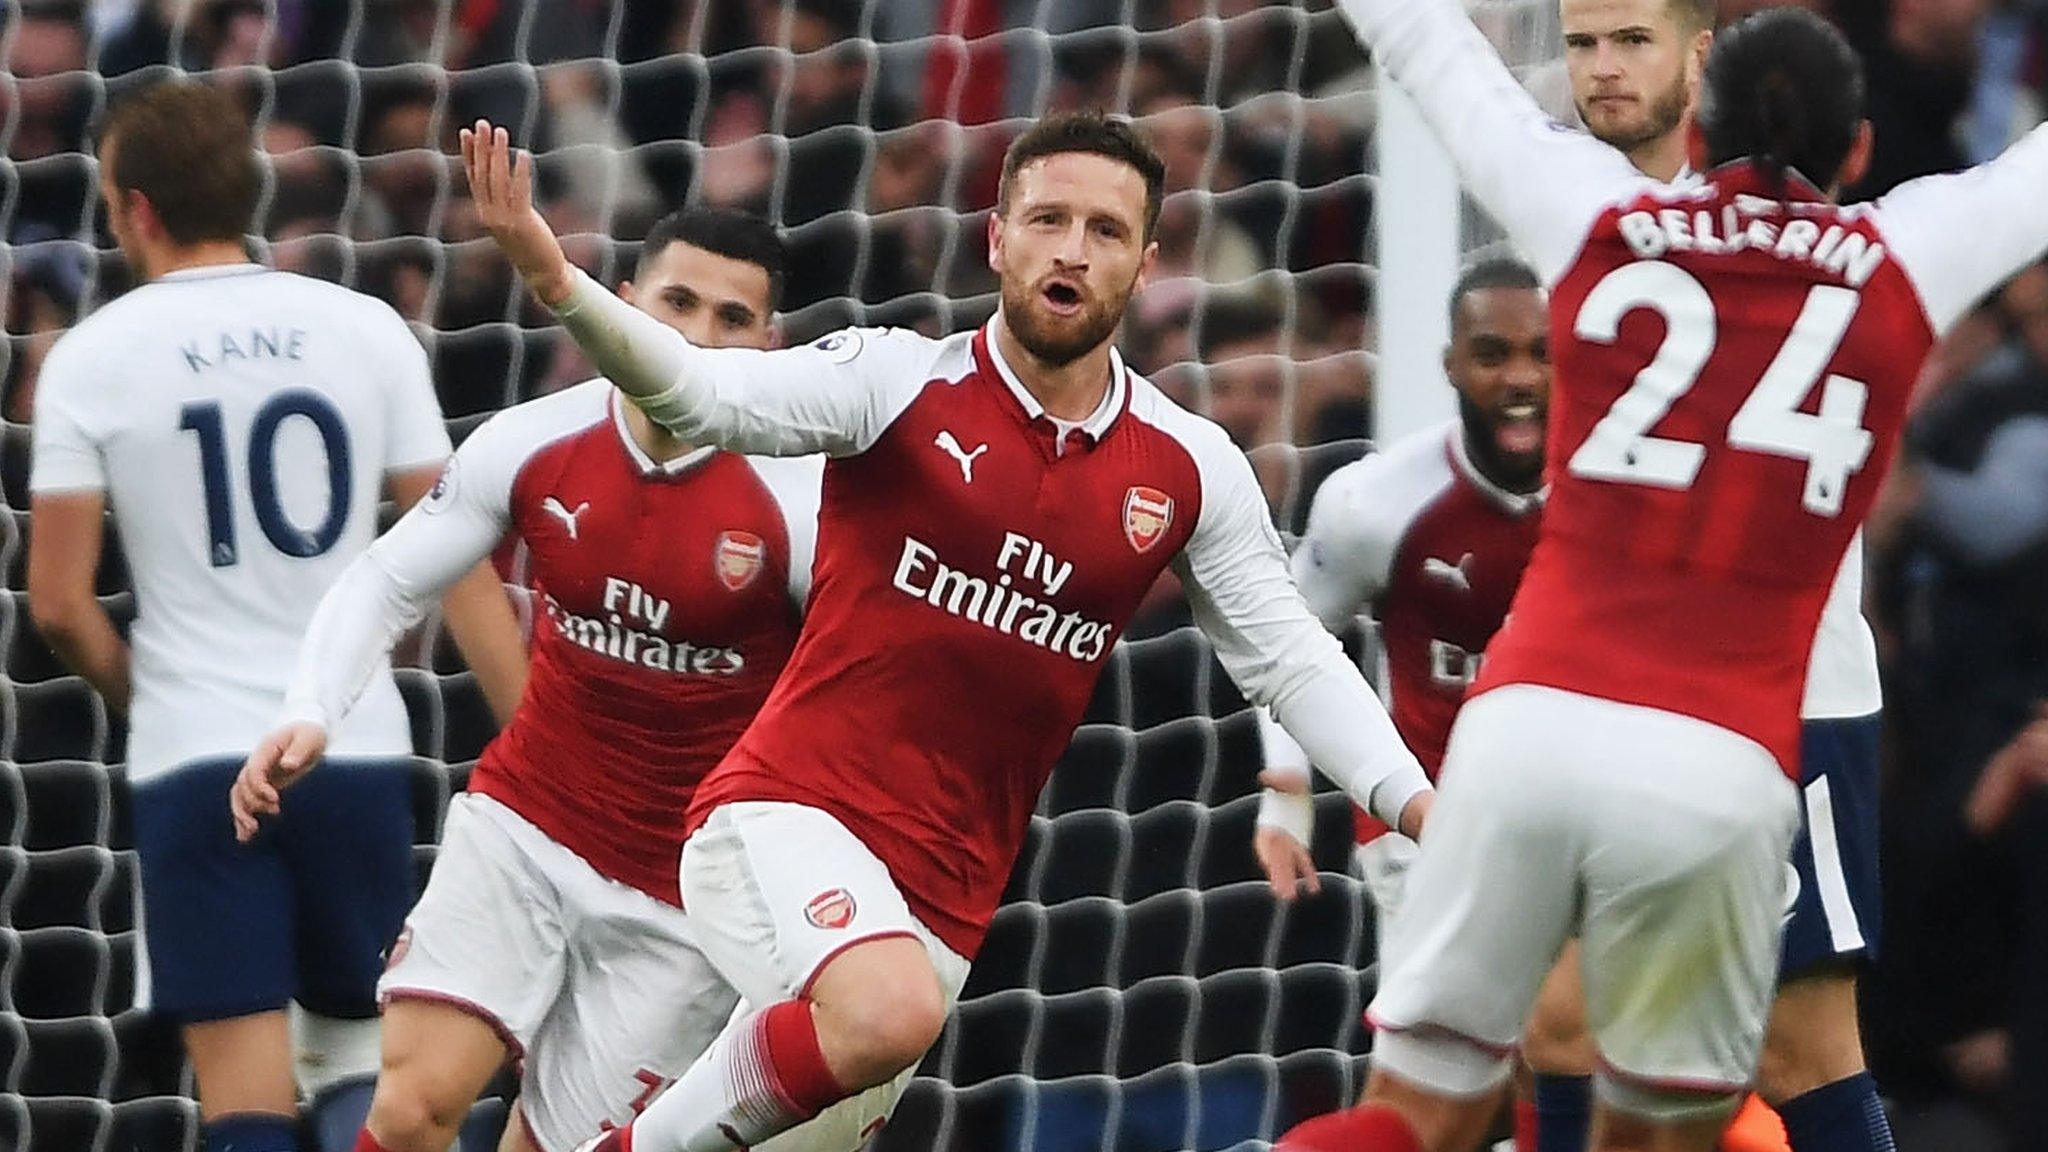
1139,988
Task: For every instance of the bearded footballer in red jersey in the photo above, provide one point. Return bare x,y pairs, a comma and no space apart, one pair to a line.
996,504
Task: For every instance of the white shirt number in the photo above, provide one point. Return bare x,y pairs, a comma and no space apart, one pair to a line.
1833,443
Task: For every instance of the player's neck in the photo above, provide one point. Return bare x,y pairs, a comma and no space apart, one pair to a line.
1071,391
1662,158
208,254
659,443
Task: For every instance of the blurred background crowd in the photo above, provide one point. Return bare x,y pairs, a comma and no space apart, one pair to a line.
872,133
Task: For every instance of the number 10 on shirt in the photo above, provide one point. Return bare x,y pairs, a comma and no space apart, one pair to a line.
203,418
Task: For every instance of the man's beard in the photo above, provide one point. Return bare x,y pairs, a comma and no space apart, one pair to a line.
1021,311
1482,443
1661,118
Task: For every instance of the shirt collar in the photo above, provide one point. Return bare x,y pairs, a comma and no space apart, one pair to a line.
1513,503
205,271
1097,424
648,465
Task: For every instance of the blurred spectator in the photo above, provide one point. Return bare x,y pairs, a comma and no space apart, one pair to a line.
46,56
1961,590
45,286
1921,57
404,150
202,35
591,156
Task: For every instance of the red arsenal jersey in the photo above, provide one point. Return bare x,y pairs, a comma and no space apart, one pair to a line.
976,564
667,601
1436,551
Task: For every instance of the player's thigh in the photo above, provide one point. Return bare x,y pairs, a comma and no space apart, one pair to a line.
1488,903
1834,902
346,833
217,915
1813,1039
242,1064
640,1003
1684,895
1555,1041
488,935
436,1057
777,892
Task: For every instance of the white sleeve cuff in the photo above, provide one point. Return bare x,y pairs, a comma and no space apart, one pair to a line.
1291,812
1391,795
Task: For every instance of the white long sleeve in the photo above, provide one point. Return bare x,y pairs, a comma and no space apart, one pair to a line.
390,587
1280,655
1544,182
1962,235
836,396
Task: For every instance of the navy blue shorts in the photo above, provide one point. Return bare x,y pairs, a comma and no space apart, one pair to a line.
304,912
1832,903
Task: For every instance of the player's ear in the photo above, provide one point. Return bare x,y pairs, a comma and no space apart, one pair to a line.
1856,165
775,336
995,241
1146,264
626,292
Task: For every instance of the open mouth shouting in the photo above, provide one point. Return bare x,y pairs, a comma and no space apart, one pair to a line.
1518,428
1063,296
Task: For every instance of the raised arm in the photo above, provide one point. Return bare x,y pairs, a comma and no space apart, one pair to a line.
1960,236
1278,652
836,396
385,591
1545,183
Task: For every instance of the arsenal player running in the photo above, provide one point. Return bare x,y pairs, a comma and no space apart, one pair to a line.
1733,366
996,505
670,578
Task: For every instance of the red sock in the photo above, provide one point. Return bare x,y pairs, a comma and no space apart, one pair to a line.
1525,1124
368,1143
805,1084
1371,1128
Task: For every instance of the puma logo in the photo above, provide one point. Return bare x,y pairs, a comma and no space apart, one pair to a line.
553,507
1457,575
951,447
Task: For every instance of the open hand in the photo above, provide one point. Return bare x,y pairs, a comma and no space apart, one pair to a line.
501,184
283,757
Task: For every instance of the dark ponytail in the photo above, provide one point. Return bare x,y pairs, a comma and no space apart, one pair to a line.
1785,91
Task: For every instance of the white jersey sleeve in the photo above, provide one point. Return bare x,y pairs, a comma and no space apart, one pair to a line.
1276,650
1341,565
836,395
418,437
1959,236
66,453
393,584
1544,182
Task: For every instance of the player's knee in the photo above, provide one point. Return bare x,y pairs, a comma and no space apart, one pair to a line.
411,1114
892,1023
1813,1039
1555,1041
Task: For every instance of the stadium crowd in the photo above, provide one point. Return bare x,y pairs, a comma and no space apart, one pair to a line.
872,133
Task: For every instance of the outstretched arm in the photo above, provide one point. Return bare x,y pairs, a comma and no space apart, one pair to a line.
1544,182
1279,653
836,396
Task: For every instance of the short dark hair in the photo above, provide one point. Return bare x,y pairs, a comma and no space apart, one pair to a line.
1489,273
1095,134
734,235
186,146
1784,89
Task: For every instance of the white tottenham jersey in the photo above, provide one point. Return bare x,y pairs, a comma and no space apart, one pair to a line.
241,422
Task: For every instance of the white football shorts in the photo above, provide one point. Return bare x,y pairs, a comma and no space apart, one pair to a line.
599,987
777,890
1659,839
